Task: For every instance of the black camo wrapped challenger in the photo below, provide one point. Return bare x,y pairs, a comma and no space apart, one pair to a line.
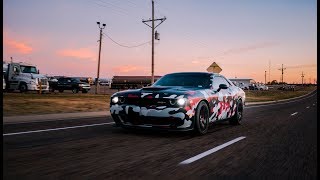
180,101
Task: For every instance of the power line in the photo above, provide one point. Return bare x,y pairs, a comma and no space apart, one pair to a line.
126,45
114,8
113,5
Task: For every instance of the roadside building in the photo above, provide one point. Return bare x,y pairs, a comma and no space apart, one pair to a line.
243,83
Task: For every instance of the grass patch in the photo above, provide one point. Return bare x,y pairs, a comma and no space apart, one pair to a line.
273,95
28,104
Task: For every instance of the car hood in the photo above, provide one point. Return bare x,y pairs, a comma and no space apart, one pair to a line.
158,92
32,75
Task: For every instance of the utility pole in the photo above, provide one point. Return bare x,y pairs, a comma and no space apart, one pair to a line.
282,73
152,27
302,76
269,70
97,79
11,59
265,77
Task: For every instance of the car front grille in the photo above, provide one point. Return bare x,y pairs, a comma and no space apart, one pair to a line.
44,81
147,102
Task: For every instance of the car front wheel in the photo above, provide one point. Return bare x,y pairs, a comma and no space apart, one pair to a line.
75,90
23,87
236,119
202,119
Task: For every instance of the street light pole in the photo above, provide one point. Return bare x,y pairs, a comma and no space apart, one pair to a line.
265,77
98,72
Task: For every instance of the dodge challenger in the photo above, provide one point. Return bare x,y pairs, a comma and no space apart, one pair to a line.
180,101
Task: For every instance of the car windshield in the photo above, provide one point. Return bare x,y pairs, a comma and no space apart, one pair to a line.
75,80
185,79
29,69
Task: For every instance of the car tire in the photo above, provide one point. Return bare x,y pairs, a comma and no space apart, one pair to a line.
117,121
237,118
51,90
84,91
75,90
201,119
61,90
23,87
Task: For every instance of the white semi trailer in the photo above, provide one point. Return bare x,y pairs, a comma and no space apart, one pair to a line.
24,77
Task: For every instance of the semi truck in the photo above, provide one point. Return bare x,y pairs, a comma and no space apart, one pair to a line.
24,77
131,82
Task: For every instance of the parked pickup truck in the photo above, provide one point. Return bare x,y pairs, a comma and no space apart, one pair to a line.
69,83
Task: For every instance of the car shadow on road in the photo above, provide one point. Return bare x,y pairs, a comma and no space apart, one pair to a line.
164,133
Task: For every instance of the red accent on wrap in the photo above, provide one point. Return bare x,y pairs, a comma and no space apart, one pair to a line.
133,96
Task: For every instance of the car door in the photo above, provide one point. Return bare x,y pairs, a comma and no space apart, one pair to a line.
61,82
68,84
222,106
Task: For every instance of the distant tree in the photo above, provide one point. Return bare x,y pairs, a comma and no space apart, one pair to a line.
273,82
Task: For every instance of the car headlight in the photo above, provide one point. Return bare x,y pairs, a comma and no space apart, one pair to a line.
181,101
115,99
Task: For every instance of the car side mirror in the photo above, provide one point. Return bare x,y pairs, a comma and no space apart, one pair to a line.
222,86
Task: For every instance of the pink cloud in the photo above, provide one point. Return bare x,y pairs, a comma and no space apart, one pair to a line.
129,69
250,48
82,53
15,46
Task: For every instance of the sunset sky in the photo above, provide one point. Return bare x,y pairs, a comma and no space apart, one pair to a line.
242,36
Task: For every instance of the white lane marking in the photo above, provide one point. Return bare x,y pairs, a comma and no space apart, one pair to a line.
206,153
56,129
307,107
294,113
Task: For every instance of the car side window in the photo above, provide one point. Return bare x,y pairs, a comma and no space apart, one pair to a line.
217,81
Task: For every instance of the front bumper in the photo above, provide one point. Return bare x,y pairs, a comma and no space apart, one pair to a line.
35,87
85,88
156,118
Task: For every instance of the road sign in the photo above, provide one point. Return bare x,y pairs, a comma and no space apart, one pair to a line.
214,67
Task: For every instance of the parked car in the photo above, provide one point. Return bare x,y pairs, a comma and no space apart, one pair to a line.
68,83
104,82
262,87
52,79
287,88
253,87
180,101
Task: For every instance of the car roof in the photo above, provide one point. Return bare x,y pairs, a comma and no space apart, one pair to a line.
204,73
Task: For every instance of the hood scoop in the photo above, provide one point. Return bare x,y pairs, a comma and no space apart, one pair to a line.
155,88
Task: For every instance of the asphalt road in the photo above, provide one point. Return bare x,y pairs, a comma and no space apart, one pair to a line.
276,141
